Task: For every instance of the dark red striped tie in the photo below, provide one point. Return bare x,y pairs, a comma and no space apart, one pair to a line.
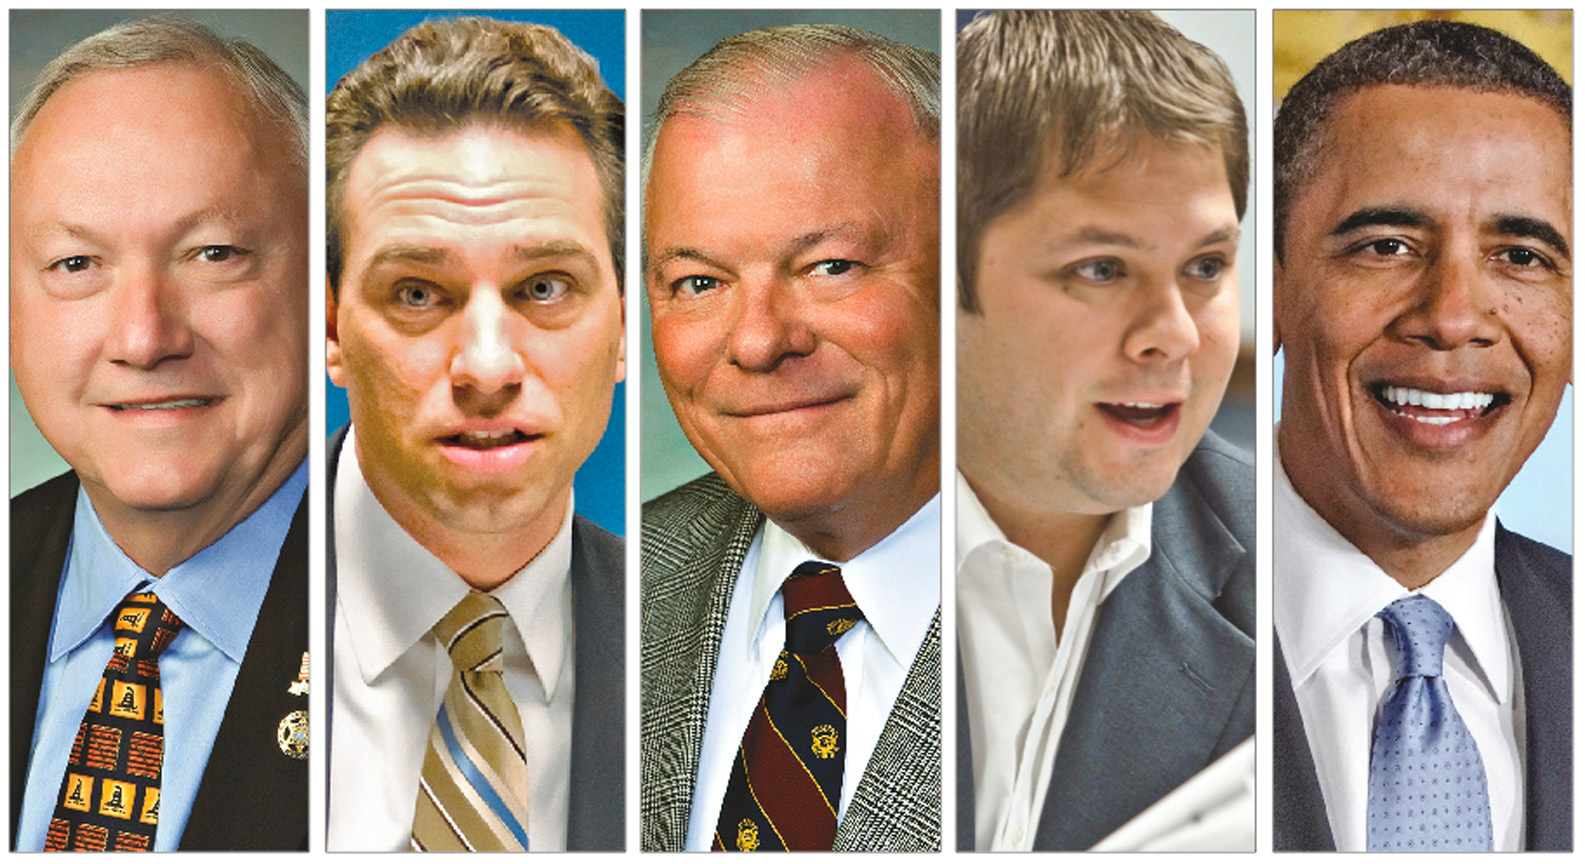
786,782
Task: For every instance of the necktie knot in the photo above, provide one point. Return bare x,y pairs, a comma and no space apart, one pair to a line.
1420,628
471,632
818,607
144,627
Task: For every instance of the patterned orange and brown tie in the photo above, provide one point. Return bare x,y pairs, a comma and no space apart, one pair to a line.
110,796
786,783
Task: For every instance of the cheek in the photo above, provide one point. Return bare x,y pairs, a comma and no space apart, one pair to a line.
685,351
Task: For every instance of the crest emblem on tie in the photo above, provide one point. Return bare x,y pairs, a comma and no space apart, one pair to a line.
824,742
840,626
292,735
747,836
779,671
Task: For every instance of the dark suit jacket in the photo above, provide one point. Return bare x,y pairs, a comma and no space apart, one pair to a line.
1537,589
1168,684
596,817
252,795
694,541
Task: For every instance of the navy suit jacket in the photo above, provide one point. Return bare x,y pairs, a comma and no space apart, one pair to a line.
596,817
1536,583
1168,684
252,796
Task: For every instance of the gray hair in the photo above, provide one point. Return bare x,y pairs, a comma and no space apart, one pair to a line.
167,39
730,76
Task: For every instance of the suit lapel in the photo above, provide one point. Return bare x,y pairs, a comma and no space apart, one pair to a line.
687,585
897,805
1540,609
254,796
1163,690
596,818
41,530
1298,812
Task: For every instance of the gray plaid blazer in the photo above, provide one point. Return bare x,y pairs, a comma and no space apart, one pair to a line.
693,543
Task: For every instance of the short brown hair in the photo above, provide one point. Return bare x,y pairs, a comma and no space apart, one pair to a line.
1057,89
445,74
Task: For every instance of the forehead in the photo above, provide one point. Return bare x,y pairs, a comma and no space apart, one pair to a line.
836,137
1483,151
478,178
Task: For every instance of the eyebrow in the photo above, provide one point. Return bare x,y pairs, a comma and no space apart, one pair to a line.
1394,217
1102,237
436,256
683,253
1525,226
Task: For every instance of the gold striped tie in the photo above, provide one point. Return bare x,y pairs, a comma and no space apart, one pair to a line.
473,795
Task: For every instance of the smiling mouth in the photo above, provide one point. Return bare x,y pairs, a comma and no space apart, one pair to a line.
1144,415
487,440
167,405
1437,409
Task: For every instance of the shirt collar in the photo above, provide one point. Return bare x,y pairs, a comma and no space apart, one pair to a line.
217,592
1325,590
1124,543
394,591
896,582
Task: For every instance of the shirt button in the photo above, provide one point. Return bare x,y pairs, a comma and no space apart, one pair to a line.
1011,555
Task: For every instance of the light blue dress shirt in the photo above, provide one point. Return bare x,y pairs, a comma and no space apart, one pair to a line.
217,594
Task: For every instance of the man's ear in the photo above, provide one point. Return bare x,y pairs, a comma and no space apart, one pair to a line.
621,346
1276,302
332,338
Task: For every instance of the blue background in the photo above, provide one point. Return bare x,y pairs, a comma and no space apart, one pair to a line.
350,38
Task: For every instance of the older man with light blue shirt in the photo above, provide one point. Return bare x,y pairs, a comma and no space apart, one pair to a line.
159,308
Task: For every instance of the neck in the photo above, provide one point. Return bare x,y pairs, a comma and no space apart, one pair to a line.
157,540
1061,539
1411,558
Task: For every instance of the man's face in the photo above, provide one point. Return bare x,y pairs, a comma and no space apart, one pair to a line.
159,300
1423,303
1107,330
479,328
793,280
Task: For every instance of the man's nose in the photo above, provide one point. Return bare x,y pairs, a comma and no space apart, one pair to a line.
1163,330
486,359
1454,305
149,323
769,324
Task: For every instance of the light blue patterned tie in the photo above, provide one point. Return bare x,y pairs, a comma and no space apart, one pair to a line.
1427,783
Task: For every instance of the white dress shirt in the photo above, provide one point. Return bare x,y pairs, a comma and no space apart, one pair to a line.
897,584
1020,678
1326,596
391,673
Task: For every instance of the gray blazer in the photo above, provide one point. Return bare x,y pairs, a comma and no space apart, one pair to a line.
1168,684
694,541
596,817
1537,590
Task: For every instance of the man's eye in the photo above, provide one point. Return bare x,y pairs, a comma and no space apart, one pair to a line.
1387,247
1208,268
1526,258
833,267
218,253
416,296
693,286
71,264
1102,271
543,289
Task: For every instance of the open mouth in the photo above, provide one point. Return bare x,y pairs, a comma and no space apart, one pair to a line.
1437,409
167,405
1143,415
487,440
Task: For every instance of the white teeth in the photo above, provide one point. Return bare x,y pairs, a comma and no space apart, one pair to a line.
488,437
167,406
1437,401
1148,406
